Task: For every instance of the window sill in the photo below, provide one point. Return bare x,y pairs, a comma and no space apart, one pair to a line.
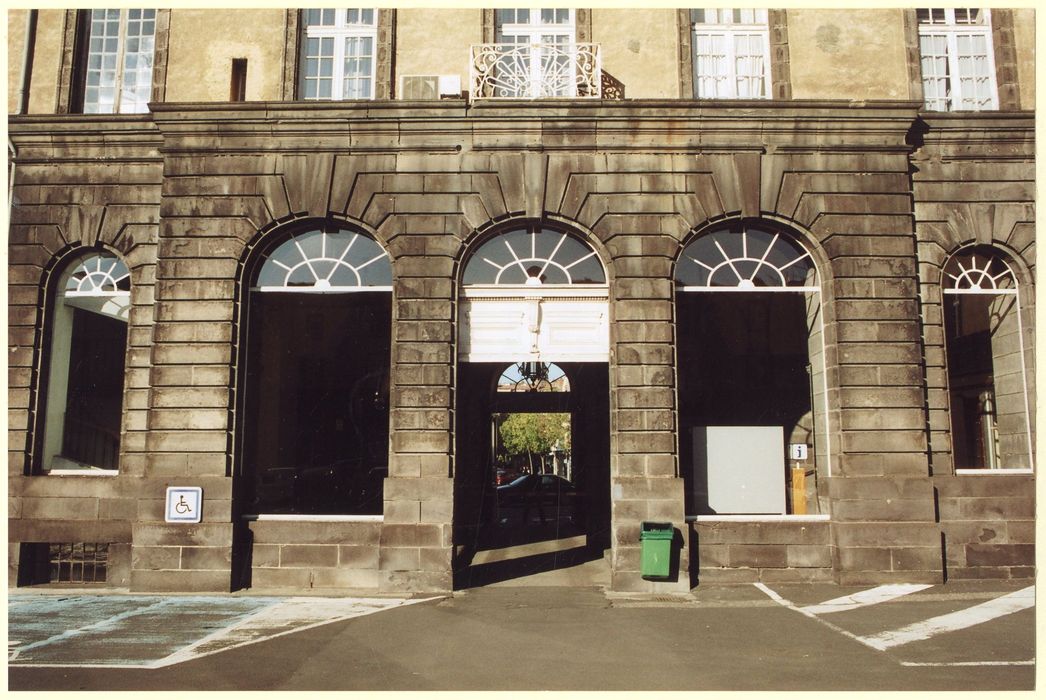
823,517
991,472
81,472
289,517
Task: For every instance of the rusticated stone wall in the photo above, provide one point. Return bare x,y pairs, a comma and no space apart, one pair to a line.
974,184
636,179
81,183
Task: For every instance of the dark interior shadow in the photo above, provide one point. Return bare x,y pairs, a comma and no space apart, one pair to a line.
495,572
493,537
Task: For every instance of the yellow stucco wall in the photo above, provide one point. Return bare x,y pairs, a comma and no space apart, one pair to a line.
203,44
436,42
1024,37
15,39
641,49
847,54
43,87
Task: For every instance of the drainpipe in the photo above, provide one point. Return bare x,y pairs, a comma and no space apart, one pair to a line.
27,52
12,153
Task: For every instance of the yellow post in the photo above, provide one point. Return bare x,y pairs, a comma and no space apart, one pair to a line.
798,491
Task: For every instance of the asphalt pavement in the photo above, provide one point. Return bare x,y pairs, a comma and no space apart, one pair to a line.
961,636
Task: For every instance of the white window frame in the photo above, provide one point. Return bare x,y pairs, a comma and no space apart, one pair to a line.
340,32
750,23
290,257
119,105
950,30
536,34
535,30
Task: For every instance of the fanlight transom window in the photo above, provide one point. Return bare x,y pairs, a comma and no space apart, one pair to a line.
322,261
971,273
531,257
99,274
751,258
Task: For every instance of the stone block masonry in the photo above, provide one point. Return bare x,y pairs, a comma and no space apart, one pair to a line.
191,194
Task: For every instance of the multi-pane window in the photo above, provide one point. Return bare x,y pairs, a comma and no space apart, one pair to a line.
119,61
535,26
958,63
534,256
338,54
731,53
543,65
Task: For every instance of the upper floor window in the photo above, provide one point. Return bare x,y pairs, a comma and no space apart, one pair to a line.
958,62
535,26
731,53
536,54
118,63
338,57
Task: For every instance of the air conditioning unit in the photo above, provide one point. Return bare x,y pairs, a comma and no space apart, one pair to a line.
429,87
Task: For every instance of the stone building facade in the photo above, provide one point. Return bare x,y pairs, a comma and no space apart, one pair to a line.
897,369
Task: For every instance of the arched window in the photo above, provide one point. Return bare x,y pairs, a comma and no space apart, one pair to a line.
751,373
985,345
322,261
747,259
534,293
533,377
534,256
85,372
315,400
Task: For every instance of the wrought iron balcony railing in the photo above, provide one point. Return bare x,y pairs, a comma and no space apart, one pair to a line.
535,70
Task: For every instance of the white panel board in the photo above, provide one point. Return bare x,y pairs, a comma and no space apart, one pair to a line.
540,330
739,469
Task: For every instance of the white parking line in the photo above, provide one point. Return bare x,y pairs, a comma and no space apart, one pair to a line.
285,617
274,619
1030,662
961,619
109,622
873,596
968,617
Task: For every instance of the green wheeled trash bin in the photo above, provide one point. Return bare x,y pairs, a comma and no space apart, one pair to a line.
656,550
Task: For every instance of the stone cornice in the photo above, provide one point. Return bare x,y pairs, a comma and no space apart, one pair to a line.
545,125
451,126
975,136
66,138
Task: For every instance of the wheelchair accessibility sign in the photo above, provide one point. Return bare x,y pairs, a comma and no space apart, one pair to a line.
184,504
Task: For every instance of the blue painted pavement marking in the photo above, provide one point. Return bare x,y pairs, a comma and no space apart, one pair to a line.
117,630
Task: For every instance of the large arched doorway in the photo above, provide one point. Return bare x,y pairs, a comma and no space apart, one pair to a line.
532,482
313,434
752,394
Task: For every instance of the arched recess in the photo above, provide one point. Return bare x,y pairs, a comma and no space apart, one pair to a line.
533,295
987,350
751,366
315,334
89,301
534,292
